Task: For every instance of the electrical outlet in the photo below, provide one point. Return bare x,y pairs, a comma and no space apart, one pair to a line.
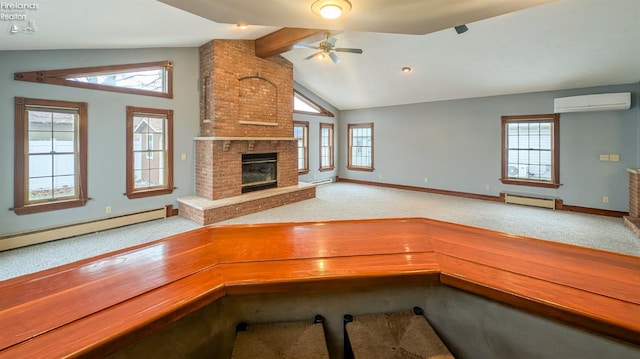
426,180
380,176
107,209
183,156
487,187
605,199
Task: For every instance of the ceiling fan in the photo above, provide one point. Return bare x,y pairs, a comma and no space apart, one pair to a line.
327,48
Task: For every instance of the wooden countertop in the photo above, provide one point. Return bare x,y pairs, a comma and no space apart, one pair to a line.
99,305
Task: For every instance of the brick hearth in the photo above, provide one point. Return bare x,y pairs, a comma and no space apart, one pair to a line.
246,107
633,220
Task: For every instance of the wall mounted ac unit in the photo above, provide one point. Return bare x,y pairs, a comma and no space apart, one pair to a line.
600,102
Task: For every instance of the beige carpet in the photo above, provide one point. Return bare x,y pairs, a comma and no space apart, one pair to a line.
350,201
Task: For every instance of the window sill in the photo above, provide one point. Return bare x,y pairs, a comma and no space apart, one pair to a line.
149,193
325,169
49,206
530,183
366,169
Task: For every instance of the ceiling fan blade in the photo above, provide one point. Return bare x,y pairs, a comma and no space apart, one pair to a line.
305,46
334,57
331,41
313,55
346,49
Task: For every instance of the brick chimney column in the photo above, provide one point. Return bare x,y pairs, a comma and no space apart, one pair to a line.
634,192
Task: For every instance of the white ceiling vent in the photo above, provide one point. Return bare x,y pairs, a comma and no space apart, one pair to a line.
599,102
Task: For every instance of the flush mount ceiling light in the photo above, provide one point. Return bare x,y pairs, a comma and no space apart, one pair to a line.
407,69
331,9
242,26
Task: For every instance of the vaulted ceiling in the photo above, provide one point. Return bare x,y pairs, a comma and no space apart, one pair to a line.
512,46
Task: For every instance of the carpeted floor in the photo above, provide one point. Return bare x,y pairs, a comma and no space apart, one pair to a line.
350,201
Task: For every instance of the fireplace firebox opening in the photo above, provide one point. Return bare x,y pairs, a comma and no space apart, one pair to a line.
259,171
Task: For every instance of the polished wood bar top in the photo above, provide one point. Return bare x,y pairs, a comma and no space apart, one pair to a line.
99,305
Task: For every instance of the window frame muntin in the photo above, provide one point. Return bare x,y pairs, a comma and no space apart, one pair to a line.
305,141
331,166
350,126
132,192
554,120
21,204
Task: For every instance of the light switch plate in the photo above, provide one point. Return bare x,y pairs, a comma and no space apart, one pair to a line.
614,158
604,157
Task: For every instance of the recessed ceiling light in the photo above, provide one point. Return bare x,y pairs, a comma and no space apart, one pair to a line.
407,69
242,26
331,9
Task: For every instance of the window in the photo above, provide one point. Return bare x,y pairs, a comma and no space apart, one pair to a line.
149,152
304,105
149,78
326,146
301,133
360,147
50,162
530,150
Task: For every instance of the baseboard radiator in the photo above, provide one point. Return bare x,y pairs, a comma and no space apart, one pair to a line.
530,200
323,181
51,234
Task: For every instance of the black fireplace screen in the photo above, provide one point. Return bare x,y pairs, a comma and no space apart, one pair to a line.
259,171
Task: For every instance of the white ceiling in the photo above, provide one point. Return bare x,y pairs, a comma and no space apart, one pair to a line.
559,45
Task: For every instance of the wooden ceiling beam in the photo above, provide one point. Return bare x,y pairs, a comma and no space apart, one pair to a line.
283,40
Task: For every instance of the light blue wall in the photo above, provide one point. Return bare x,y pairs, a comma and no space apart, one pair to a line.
314,137
106,168
456,145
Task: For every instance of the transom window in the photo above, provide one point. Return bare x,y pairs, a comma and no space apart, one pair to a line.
304,105
301,133
149,152
360,147
149,78
530,151
50,155
326,146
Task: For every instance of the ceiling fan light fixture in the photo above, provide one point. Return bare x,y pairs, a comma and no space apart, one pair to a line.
331,9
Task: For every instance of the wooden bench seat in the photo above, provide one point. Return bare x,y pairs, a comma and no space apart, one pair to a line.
99,305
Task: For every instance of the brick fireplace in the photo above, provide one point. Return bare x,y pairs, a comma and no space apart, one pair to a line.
246,109
633,220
